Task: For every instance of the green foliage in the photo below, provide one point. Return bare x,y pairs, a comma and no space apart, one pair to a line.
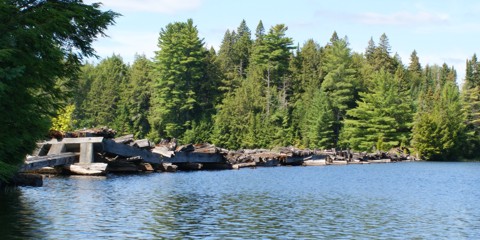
64,120
199,132
471,107
382,118
379,56
318,127
41,43
234,56
238,120
340,81
267,93
182,87
438,130
138,95
102,105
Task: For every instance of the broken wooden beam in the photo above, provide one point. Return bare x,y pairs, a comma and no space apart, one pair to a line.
124,139
111,146
162,150
244,165
76,140
35,163
143,143
92,169
321,162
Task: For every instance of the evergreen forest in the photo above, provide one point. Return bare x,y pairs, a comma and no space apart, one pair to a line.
261,91
257,90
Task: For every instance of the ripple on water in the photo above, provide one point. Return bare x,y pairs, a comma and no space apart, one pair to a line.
396,201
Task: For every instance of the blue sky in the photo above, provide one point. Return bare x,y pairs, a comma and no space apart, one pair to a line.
440,31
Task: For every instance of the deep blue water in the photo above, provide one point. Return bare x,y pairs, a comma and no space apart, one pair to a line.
418,200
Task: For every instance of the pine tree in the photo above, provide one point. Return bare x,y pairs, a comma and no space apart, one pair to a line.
180,73
439,127
242,48
307,79
471,107
370,51
238,120
339,83
415,74
85,78
334,37
270,58
382,119
208,95
234,57
259,31
256,114
318,125
102,105
310,78
140,92
381,56
226,63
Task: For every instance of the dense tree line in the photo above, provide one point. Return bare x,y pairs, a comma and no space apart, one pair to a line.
260,90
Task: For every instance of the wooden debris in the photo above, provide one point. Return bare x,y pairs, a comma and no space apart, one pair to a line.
243,165
205,148
167,167
385,160
93,169
170,144
322,162
35,163
97,149
111,146
162,150
185,148
126,139
146,167
95,132
143,144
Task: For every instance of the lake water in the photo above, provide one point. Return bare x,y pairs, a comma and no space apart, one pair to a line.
418,200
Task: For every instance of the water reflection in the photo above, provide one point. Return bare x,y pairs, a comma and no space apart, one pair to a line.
18,220
416,200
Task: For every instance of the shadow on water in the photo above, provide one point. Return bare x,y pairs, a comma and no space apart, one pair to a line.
18,220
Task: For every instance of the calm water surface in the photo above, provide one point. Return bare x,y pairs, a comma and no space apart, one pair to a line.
382,201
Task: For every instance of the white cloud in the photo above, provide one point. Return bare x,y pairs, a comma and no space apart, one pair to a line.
156,6
127,44
402,18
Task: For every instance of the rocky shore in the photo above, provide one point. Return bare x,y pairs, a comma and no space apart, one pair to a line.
127,155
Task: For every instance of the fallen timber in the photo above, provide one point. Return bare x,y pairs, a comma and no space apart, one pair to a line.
38,162
90,154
